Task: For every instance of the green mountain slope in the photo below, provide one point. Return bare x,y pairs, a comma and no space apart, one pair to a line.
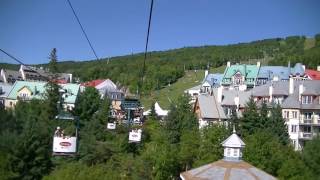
166,67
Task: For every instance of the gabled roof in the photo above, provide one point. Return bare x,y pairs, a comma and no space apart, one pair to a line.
92,83
210,108
249,71
10,75
233,141
313,74
38,90
311,87
271,71
279,88
5,89
32,86
297,69
213,79
228,96
72,92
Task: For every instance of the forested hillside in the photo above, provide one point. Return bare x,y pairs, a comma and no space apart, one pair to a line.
164,67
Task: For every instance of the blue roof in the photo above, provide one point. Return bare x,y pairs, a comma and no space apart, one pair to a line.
213,79
297,69
271,71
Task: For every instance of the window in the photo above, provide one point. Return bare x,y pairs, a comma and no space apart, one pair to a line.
294,114
307,115
235,152
228,151
293,128
286,114
307,99
294,143
307,129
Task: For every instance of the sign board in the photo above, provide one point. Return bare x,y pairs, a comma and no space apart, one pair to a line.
135,135
111,126
64,144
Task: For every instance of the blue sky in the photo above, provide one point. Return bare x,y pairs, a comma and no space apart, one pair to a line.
30,29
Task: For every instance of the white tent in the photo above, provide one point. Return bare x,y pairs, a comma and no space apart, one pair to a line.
158,109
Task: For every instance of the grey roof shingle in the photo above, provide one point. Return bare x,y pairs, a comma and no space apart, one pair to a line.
210,108
226,170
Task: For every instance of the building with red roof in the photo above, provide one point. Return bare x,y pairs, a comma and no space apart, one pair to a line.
313,74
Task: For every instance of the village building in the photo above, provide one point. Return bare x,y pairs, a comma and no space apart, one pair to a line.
230,167
313,74
300,103
28,90
109,89
209,82
240,76
4,91
220,105
31,73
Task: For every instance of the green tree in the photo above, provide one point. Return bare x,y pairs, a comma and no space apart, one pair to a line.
210,148
278,126
311,155
53,64
153,115
250,121
294,169
52,97
264,116
264,151
88,103
180,118
30,157
189,148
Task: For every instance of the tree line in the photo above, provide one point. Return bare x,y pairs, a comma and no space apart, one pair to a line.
168,147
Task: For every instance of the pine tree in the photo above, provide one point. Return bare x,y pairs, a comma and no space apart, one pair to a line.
31,155
250,120
264,116
311,156
153,114
278,126
53,64
52,97
180,118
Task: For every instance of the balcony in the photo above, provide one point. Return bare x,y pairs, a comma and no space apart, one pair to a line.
307,135
314,120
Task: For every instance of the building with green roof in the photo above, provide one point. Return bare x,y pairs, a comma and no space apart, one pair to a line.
240,76
27,90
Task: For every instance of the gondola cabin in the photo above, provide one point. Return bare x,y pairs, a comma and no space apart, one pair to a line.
135,136
64,145
65,139
111,126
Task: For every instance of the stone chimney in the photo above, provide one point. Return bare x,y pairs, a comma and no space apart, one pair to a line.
237,102
270,92
206,72
228,64
301,89
291,85
21,70
219,94
3,74
70,78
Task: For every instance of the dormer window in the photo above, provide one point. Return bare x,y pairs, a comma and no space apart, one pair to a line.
307,99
